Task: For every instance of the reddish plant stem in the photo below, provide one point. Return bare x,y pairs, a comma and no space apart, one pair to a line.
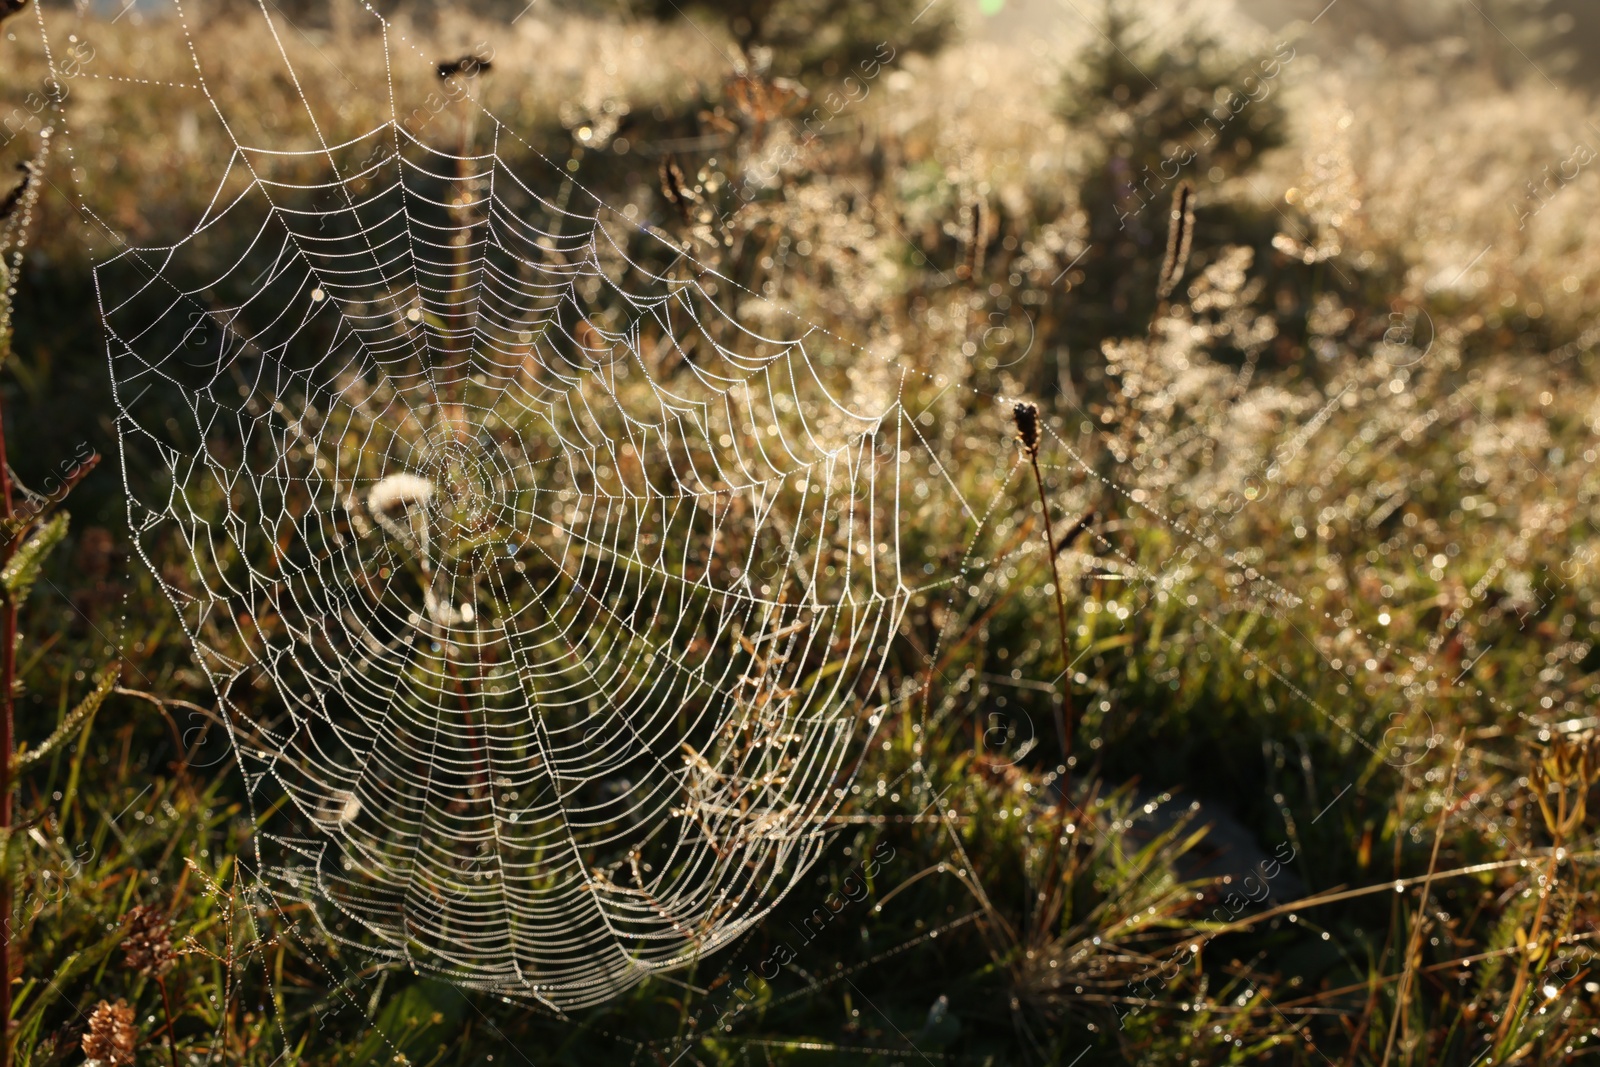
166,1007
8,679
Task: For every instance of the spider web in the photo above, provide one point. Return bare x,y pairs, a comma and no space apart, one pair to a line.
569,592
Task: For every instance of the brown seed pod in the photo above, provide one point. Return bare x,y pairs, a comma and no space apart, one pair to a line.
1027,418
148,942
111,1036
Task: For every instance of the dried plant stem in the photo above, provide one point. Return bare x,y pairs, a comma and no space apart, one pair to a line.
1063,713
7,745
166,1008
1026,417
1180,239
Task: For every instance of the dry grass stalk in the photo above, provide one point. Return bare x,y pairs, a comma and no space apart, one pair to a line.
1414,948
1026,416
673,187
1180,238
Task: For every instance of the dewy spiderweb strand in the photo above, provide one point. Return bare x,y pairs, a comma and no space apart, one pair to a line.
565,593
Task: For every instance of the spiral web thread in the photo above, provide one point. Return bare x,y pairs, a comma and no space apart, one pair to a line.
568,593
